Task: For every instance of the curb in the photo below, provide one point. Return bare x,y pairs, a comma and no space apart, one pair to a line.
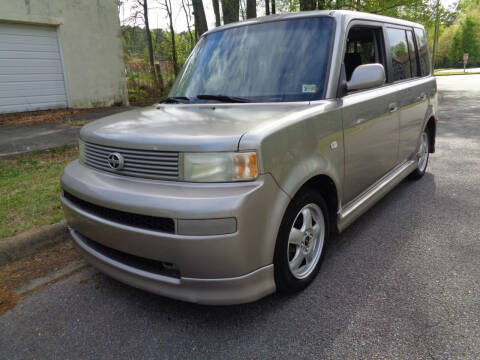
36,283
31,241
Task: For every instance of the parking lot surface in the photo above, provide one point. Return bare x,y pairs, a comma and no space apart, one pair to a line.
403,282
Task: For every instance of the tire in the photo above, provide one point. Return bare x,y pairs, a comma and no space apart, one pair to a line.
308,240
422,155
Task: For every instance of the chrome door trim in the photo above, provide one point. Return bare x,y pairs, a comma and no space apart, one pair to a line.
351,211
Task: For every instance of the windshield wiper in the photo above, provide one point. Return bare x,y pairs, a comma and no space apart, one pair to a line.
223,98
177,100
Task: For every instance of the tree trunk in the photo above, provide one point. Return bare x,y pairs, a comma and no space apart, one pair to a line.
274,11
216,10
168,6
187,17
149,36
251,9
435,35
231,10
200,19
267,7
158,80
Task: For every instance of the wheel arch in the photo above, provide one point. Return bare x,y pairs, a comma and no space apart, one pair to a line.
326,186
318,188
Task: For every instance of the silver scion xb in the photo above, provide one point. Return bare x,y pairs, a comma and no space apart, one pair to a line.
278,132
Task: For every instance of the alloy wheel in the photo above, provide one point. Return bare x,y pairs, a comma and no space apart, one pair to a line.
423,152
306,241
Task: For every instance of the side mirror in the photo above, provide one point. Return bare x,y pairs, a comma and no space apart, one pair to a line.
366,76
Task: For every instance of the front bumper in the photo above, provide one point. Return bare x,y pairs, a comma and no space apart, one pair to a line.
241,289
213,269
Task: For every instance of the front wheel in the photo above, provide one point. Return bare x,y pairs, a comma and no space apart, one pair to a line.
301,242
422,157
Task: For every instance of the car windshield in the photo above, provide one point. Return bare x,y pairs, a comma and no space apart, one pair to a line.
283,60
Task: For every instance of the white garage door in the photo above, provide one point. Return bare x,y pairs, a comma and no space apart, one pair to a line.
31,74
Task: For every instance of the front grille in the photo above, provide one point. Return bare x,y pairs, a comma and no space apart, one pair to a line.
149,265
147,222
148,164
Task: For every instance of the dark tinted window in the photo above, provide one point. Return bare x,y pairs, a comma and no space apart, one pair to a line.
412,53
273,61
398,48
422,44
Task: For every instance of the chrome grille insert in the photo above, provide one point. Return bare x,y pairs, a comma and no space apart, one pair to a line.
148,164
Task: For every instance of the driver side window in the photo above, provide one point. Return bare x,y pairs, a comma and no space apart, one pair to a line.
363,47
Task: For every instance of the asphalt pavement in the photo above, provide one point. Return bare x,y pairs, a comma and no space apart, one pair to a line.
403,282
22,139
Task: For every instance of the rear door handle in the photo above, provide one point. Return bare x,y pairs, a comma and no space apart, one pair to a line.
422,97
392,107
359,121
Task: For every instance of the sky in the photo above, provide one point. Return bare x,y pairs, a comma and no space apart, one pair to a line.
158,16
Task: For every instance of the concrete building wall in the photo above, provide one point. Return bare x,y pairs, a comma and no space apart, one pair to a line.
90,45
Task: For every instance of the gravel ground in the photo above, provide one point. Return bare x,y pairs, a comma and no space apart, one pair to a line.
403,282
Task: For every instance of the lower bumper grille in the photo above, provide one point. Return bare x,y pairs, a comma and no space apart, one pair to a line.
137,262
147,222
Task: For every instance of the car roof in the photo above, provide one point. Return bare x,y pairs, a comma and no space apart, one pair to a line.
345,15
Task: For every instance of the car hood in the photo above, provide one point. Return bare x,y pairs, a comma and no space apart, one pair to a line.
189,127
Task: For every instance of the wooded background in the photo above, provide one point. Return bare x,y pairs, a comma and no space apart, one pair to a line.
155,56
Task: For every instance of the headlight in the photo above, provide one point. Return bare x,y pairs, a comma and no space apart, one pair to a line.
81,150
220,167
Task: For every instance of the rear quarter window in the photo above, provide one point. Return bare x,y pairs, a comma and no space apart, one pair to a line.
412,53
422,45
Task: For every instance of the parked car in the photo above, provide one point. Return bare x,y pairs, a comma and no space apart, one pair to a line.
278,132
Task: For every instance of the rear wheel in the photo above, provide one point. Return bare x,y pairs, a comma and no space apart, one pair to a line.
301,241
422,156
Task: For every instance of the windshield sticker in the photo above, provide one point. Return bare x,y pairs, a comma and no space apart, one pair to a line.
309,88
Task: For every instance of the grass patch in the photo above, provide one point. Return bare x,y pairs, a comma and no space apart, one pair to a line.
445,73
30,188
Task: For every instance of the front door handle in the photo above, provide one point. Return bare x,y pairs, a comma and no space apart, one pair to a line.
392,107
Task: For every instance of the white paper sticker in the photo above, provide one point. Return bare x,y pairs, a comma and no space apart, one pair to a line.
309,88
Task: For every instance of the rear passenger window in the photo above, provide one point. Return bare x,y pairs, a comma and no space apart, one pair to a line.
412,53
398,48
422,45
